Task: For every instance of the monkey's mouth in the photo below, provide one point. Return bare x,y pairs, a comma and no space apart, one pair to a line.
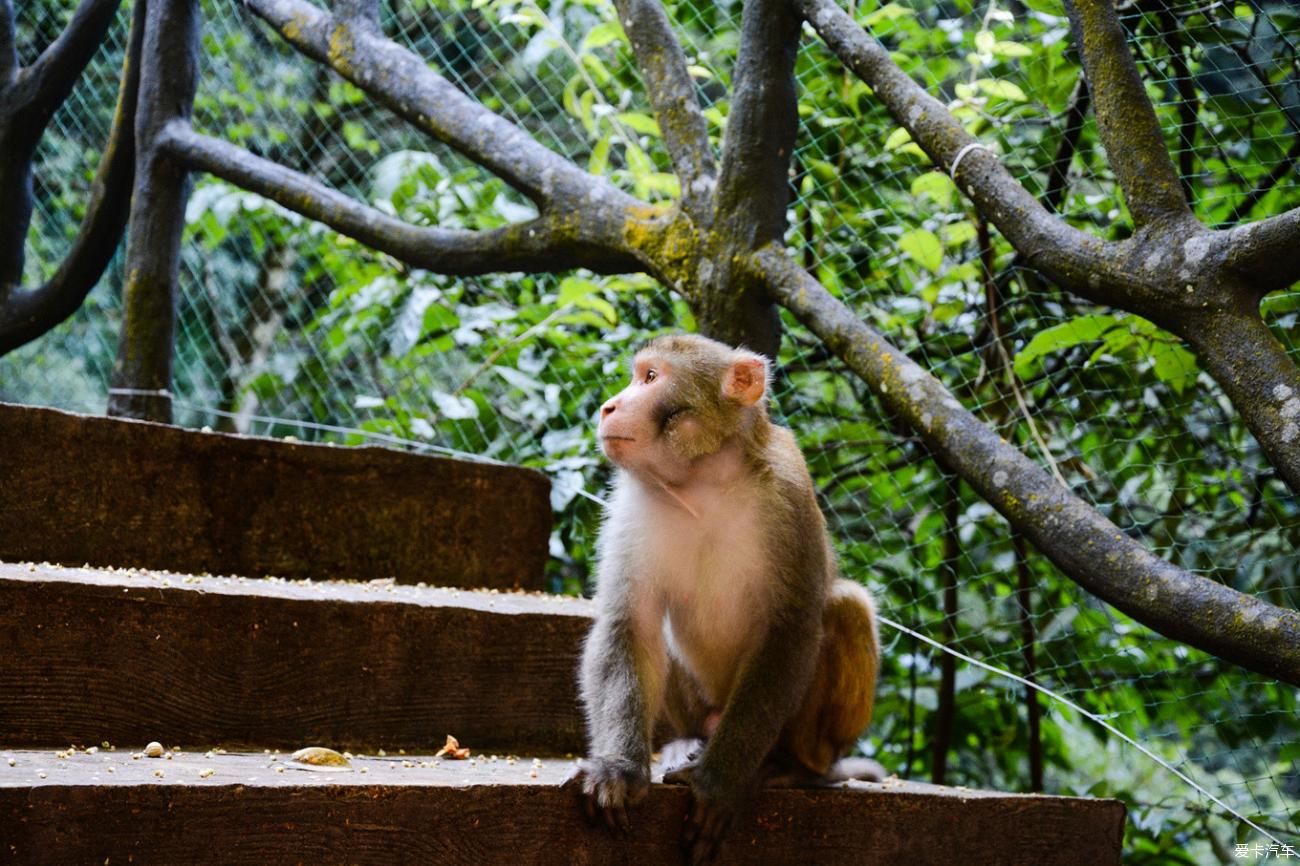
617,439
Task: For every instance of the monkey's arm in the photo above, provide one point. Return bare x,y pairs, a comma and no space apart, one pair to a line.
771,686
624,666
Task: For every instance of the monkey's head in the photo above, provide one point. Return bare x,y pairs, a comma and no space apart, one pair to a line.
688,397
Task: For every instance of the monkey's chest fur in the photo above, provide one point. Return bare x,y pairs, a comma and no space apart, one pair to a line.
703,573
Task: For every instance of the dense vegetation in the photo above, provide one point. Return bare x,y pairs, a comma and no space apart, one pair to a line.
288,329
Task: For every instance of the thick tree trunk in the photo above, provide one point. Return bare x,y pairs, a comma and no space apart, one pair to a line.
754,184
142,373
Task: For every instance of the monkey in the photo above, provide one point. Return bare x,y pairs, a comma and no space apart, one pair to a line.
720,612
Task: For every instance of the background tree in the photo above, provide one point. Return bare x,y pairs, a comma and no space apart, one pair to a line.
1086,390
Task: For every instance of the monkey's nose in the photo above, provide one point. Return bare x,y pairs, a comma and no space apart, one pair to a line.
607,409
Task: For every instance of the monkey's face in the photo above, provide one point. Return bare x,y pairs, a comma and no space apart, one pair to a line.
687,397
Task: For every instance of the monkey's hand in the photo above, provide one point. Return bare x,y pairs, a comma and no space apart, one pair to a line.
713,810
608,786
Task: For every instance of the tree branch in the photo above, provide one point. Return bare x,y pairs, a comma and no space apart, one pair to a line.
547,244
1073,259
168,77
25,315
1264,252
754,184
1126,120
8,45
753,188
47,82
400,80
671,89
1081,542
1260,379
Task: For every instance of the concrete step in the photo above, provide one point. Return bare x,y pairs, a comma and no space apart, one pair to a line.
95,654
78,489
238,809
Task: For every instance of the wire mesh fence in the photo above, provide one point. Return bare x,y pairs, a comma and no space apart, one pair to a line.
287,329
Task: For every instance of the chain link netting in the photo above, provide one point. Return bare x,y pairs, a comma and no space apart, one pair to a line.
287,329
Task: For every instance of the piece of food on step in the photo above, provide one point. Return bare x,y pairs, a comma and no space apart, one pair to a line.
452,750
320,758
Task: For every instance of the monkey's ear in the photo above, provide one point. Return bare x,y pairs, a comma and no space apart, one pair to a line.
745,381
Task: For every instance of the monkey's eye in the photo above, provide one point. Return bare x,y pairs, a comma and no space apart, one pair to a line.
650,376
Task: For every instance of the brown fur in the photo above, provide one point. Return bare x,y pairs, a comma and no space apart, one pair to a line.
838,705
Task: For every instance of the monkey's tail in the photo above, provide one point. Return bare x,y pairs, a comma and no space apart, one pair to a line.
791,774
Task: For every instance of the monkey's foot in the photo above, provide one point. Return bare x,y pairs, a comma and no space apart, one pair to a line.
607,787
710,817
678,753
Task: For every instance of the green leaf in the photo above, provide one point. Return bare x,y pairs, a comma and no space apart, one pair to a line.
957,234
574,289
1001,89
1085,329
1011,49
638,161
525,16
642,123
897,139
888,12
570,96
923,246
599,305
1173,365
935,186
585,103
599,71
601,35
822,170
437,319
355,135
599,160
662,182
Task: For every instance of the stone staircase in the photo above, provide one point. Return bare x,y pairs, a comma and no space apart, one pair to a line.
404,609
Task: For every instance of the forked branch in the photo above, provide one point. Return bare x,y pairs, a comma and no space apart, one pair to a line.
1266,252
27,314
46,83
543,245
1135,146
671,89
754,186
